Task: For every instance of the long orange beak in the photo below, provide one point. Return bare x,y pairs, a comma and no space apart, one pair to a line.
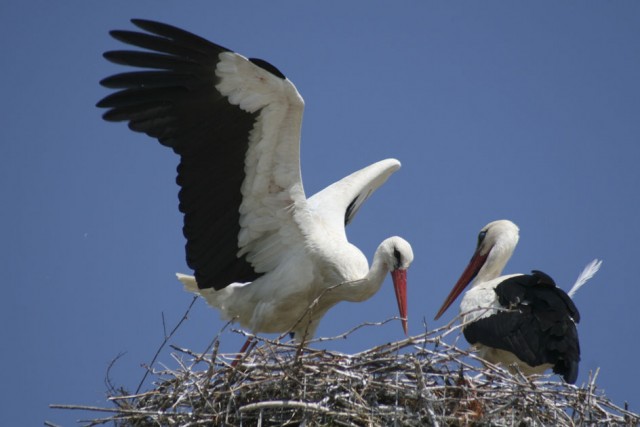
476,263
400,285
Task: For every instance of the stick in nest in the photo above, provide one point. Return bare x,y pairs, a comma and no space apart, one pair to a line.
420,380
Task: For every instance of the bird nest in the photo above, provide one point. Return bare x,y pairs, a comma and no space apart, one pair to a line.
416,381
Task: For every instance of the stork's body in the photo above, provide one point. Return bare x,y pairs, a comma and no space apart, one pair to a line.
281,301
521,319
261,251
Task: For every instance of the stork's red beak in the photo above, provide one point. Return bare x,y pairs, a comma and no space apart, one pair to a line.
399,277
476,263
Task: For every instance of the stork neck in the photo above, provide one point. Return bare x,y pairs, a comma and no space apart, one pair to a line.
363,289
484,275
494,265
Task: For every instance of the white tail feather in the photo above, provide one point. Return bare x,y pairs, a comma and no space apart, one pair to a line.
189,282
589,271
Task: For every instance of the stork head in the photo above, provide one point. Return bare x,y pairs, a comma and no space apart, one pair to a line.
496,242
400,256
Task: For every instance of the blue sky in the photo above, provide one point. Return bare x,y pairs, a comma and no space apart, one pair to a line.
519,110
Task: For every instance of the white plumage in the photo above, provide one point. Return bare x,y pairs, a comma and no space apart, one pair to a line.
261,251
587,274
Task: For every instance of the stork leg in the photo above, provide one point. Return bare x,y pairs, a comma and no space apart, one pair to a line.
241,352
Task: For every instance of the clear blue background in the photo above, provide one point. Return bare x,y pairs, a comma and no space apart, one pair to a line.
520,110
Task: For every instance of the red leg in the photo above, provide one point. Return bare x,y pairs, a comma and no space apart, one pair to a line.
241,352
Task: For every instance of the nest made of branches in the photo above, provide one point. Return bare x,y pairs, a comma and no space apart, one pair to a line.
416,381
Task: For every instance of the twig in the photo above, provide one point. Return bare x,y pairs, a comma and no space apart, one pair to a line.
165,341
283,404
414,381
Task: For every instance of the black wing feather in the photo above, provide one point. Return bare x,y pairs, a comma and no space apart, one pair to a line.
174,99
538,325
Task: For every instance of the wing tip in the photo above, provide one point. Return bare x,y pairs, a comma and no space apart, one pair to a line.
393,162
568,369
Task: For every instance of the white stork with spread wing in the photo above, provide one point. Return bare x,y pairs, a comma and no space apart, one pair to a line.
262,252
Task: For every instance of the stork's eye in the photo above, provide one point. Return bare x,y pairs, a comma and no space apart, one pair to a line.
481,236
398,257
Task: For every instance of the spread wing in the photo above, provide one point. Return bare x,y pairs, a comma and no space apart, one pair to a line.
338,203
235,123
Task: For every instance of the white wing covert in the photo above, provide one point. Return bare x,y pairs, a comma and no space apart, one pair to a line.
345,197
235,122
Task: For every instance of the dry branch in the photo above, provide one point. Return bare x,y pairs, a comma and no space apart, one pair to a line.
416,381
